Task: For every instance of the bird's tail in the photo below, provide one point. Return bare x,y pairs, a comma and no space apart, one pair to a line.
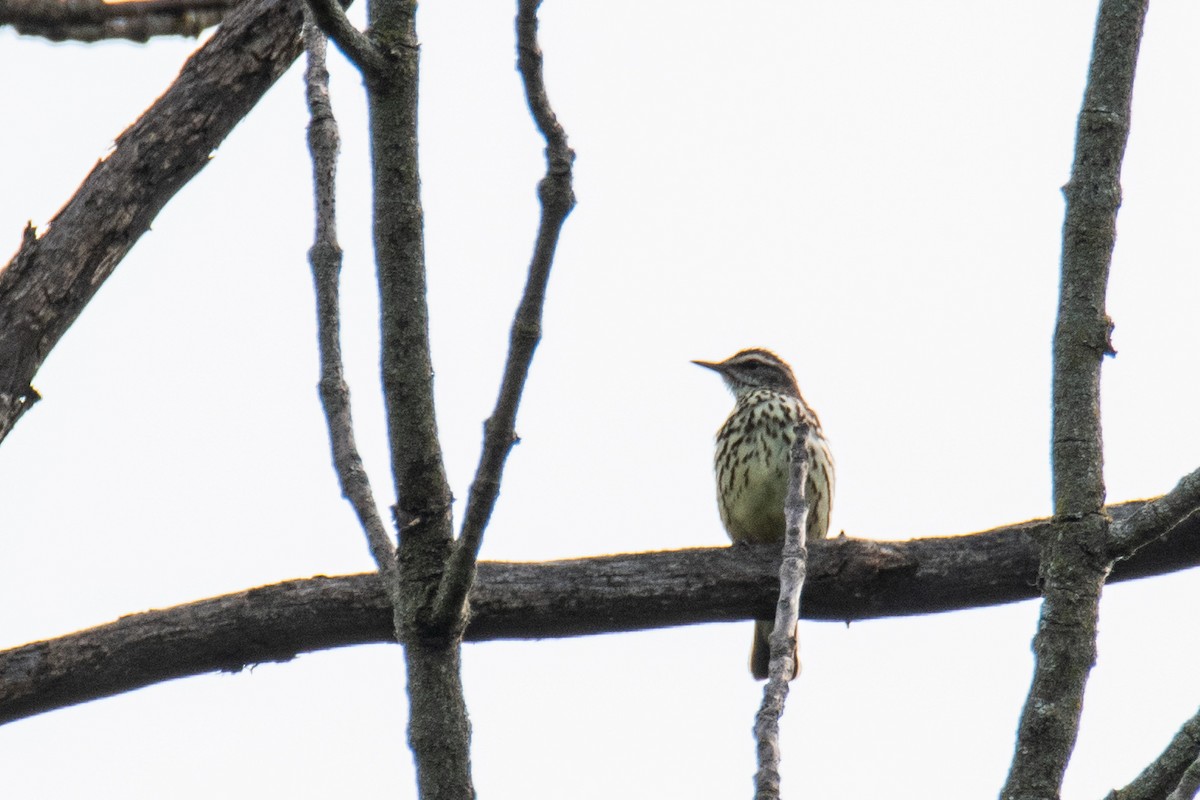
760,654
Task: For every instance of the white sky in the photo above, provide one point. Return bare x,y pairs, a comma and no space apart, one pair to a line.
870,189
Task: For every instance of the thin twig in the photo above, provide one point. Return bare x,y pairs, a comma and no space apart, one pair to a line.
792,570
557,199
354,44
1155,519
326,260
1170,770
1074,557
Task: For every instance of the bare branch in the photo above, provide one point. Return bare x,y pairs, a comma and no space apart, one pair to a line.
355,44
422,492
792,568
326,259
1174,770
847,579
1155,518
1189,784
558,155
1074,558
94,20
51,278
439,733
557,199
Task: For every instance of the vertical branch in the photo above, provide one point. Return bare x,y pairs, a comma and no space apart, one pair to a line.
557,199
1074,562
439,732
422,492
792,571
326,260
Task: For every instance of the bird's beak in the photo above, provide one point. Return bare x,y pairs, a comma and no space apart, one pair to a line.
715,366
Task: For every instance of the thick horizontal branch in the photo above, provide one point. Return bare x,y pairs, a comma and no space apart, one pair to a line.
94,20
848,579
1154,518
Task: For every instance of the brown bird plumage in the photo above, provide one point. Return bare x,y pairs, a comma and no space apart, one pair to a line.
753,463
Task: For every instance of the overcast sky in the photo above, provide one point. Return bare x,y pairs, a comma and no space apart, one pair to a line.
869,189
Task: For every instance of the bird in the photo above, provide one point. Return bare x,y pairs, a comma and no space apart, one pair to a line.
752,463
